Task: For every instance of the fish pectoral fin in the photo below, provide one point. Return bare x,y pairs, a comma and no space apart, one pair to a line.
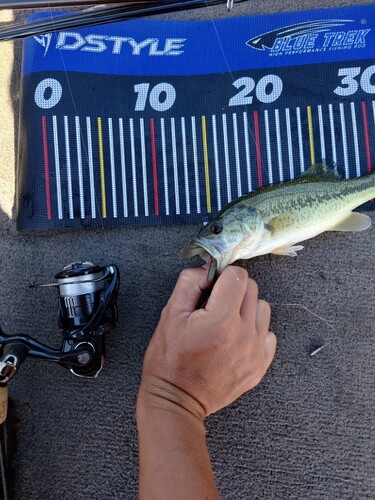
353,222
287,250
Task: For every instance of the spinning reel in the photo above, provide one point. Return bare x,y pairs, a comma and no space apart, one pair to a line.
87,311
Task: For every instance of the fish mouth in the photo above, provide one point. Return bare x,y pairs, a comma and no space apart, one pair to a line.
207,252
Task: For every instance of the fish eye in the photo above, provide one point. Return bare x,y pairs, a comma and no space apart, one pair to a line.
216,227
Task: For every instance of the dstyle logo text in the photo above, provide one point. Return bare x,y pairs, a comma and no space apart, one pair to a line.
71,40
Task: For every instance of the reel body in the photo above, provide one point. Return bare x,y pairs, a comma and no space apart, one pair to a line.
86,312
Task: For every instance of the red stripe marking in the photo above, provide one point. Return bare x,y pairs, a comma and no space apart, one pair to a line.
367,137
46,167
257,148
154,166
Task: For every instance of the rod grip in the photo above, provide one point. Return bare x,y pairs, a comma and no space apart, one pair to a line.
3,403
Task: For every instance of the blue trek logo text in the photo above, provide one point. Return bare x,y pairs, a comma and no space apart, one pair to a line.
311,36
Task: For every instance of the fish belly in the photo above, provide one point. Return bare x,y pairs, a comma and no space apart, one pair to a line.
287,239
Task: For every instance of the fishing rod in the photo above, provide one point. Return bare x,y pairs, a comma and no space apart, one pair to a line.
46,4
101,15
42,4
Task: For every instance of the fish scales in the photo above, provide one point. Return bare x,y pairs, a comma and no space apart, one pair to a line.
315,198
275,218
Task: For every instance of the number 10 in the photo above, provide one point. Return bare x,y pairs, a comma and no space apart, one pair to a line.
161,98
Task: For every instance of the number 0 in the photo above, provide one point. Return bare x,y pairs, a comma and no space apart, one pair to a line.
366,84
55,90
269,88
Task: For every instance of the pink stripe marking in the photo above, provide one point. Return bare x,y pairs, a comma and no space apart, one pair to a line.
46,167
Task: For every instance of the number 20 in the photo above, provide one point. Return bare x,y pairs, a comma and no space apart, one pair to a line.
273,83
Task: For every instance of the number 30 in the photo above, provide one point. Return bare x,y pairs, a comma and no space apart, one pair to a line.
349,85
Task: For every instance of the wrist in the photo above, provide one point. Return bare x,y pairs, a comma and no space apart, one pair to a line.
159,395
172,444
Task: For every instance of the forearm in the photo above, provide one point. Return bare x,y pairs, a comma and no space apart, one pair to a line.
198,361
174,459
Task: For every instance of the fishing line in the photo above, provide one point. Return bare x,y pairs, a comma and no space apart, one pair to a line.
73,100
82,140
82,137
52,21
230,4
301,306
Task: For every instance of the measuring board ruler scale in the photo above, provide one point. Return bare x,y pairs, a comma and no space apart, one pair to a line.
114,149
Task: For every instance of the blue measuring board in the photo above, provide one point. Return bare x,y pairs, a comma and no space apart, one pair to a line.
155,122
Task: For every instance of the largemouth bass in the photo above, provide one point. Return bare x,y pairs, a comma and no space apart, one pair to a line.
274,219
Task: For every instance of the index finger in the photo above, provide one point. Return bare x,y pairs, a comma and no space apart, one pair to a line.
228,292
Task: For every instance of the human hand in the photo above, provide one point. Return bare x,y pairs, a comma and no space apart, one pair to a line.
201,360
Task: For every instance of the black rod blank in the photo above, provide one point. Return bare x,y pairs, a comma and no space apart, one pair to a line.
46,4
100,15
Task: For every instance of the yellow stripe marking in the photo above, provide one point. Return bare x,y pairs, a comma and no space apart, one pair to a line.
311,135
206,170
101,162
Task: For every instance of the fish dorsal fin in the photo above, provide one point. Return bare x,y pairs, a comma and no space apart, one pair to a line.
353,222
320,172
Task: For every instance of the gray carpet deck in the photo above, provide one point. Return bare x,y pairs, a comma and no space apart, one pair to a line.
307,431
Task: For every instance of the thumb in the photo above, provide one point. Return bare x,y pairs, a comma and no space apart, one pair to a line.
188,290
